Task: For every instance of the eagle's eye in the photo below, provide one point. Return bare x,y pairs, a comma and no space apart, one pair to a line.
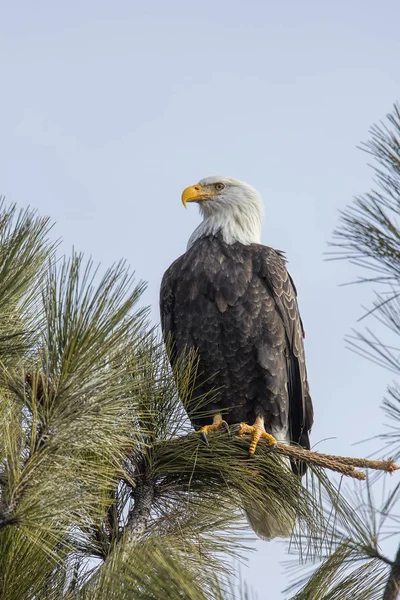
219,186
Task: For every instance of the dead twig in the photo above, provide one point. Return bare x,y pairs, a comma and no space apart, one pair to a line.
341,464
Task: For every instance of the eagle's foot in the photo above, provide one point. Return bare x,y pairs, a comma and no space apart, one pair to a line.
218,423
257,432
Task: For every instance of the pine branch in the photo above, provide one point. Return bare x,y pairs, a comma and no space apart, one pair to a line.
392,589
143,501
341,464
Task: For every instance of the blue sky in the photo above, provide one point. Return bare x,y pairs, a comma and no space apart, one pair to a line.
108,110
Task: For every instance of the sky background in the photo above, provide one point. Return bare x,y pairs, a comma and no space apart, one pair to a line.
110,109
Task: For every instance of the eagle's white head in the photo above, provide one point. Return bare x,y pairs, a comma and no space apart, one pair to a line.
229,207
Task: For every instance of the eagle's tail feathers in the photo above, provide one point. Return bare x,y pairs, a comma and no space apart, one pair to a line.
268,526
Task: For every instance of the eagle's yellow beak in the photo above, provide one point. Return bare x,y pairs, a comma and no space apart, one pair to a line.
194,193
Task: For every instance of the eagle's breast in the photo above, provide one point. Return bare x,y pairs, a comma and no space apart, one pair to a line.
224,309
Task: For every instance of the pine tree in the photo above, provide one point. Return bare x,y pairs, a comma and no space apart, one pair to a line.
105,492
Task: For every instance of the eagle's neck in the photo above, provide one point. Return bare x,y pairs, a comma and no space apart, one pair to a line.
233,227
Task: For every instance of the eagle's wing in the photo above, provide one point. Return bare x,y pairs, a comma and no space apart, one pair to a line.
270,267
166,309
173,312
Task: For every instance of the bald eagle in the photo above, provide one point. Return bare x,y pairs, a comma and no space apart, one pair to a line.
232,299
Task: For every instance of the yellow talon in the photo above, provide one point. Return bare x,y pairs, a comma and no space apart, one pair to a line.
257,432
218,423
